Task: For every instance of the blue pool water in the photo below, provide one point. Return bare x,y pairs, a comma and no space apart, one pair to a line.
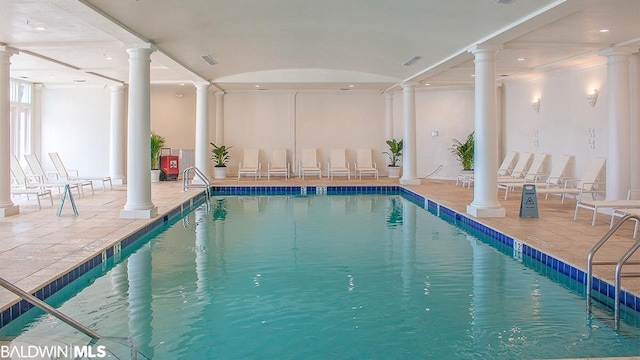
331,277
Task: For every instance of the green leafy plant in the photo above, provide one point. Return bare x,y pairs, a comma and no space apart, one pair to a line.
394,216
157,142
395,151
464,151
220,155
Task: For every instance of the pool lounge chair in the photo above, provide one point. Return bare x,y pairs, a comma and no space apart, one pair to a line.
532,173
22,186
596,205
309,163
507,164
520,170
622,212
64,174
553,180
338,164
589,184
41,178
250,164
278,164
364,164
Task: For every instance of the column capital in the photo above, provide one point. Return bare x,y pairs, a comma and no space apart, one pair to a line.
409,85
220,94
8,49
117,88
484,48
614,51
200,84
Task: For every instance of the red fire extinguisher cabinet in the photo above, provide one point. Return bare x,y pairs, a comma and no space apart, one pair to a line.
168,165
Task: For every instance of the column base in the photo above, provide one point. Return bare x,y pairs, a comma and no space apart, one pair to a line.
485,212
409,181
9,211
138,214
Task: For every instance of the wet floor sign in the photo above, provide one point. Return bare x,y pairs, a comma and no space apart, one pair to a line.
529,202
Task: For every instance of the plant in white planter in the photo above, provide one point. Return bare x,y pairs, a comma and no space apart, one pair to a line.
464,152
394,154
157,142
220,157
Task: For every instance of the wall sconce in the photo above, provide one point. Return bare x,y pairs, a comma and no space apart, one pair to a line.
536,105
592,98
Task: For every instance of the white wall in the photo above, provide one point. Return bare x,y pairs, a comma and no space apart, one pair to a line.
75,124
565,119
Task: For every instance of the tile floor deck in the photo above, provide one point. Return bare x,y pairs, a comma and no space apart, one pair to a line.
37,246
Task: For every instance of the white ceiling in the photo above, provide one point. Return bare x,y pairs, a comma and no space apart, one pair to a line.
308,44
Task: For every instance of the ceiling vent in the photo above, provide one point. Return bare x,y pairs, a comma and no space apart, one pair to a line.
412,60
209,60
505,1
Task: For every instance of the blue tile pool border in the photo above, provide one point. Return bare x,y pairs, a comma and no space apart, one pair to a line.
630,300
466,223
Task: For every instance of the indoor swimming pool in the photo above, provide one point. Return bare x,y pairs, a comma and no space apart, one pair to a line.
358,276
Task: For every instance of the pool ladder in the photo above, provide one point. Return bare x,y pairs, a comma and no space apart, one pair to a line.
618,273
206,184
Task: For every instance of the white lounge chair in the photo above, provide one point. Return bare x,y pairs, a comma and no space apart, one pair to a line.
589,183
623,212
250,164
41,178
278,164
532,173
64,174
553,180
596,205
309,163
364,163
338,164
520,170
507,163
22,186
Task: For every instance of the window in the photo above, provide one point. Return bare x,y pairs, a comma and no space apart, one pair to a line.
20,118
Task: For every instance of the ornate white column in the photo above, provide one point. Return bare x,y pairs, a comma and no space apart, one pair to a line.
139,205
220,118
7,207
388,119
618,179
409,176
202,129
117,136
634,97
485,191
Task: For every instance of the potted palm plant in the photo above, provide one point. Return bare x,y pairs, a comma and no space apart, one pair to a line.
157,142
220,157
464,152
394,154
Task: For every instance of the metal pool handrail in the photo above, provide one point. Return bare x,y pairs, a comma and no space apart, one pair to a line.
618,273
200,175
48,309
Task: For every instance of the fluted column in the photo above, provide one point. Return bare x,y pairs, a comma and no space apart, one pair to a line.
220,118
118,136
7,207
139,205
634,96
409,176
202,129
388,119
618,175
485,191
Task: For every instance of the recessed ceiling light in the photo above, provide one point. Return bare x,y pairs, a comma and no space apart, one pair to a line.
40,28
520,59
257,86
351,86
427,84
473,75
604,30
